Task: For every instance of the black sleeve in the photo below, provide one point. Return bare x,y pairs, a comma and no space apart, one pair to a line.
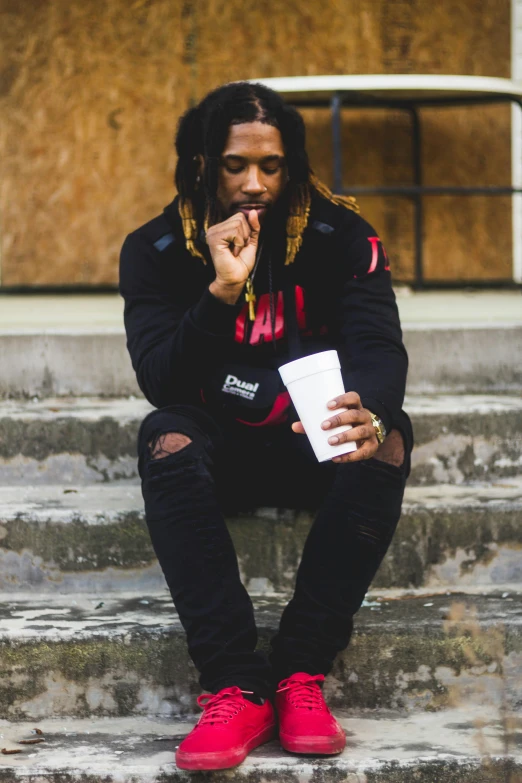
373,354
173,342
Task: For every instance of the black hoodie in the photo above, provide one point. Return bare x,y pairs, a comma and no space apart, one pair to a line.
179,335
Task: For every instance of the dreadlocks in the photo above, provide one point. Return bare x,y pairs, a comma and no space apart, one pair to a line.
203,130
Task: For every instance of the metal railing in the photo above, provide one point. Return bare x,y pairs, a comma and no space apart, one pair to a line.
417,190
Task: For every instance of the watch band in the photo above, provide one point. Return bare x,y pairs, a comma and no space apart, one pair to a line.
380,429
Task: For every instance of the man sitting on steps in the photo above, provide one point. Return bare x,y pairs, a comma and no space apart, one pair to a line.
255,262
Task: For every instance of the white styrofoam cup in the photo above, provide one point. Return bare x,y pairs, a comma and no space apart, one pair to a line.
312,382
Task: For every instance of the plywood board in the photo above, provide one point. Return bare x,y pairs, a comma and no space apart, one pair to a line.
90,94
88,113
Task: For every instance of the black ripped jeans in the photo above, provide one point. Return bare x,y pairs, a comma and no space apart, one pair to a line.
232,467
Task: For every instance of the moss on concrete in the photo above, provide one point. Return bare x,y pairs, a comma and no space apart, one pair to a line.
382,670
41,438
448,771
461,439
426,539
309,770
118,667
505,425
105,436
81,546
270,547
399,657
165,658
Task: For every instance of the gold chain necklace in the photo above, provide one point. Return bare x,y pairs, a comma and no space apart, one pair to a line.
250,296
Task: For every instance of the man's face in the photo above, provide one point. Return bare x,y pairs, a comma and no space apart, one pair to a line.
252,169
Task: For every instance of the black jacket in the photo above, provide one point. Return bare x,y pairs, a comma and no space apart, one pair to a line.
178,334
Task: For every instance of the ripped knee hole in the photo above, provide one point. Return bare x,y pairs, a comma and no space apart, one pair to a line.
168,443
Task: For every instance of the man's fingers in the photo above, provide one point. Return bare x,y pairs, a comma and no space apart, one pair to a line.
237,247
298,427
352,416
229,232
242,234
255,226
244,226
361,433
366,450
346,400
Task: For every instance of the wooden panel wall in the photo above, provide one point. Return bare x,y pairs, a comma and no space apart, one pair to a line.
90,94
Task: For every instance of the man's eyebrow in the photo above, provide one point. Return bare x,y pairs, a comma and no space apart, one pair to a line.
266,159
273,159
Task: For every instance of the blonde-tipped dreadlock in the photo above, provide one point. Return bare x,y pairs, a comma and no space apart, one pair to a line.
190,228
344,201
300,212
296,223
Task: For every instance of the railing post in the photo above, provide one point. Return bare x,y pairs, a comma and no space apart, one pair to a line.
335,105
417,199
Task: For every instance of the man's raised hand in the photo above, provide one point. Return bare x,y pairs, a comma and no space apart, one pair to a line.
362,432
233,246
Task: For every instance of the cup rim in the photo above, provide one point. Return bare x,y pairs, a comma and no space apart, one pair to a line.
297,369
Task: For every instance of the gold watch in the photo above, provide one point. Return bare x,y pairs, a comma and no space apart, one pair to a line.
380,429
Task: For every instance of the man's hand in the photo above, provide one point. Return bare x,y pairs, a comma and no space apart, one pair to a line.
233,246
363,431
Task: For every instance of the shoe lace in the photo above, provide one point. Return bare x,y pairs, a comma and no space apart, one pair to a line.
305,692
221,707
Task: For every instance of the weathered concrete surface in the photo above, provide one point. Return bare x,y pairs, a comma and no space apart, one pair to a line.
455,534
127,654
465,438
387,748
60,362
445,359
457,342
90,539
68,441
94,539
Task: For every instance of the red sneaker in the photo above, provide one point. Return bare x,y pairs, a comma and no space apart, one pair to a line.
230,727
306,725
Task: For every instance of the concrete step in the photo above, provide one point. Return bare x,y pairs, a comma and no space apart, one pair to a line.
126,654
94,538
455,746
443,358
60,345
70,440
